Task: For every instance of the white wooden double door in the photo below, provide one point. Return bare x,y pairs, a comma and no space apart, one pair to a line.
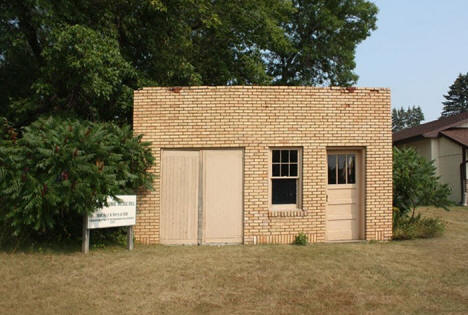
201,196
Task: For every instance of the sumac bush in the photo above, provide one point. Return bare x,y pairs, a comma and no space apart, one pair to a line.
61,169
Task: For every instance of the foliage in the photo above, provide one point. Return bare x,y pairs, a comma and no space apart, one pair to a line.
301,239
86,76
101,238
406,118
415,183
81,74
83,58
418,227
322,37
457,97
8,136
62,169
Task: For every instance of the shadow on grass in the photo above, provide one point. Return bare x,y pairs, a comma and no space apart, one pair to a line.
98,240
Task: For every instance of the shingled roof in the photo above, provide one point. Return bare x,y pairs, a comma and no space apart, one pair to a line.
434,128
459,135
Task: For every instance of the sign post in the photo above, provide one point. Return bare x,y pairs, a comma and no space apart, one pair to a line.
117,213
85,244
130,238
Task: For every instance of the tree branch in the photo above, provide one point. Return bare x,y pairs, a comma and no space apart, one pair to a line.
26,27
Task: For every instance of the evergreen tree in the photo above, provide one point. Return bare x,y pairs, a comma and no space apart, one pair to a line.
398,119
457,97
406,118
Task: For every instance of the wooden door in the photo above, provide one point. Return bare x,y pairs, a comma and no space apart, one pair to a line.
222,196
180,173
344,195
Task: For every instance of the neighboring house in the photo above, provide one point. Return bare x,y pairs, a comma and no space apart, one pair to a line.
257,164
443,141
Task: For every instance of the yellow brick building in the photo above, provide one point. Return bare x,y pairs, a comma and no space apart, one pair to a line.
258,164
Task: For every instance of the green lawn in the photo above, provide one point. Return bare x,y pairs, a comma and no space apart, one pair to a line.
421,276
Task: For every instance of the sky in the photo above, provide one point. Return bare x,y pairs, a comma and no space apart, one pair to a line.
417,51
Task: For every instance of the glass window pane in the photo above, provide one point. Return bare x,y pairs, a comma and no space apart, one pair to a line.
284,170
332,169
292,169
285,156
341,169
293,156
283,191
351,169
276,170
276,156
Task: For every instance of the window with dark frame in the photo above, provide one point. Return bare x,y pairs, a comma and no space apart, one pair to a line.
285,176
341,169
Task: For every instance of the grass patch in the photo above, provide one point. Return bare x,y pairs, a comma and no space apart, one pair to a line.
418,227
423,276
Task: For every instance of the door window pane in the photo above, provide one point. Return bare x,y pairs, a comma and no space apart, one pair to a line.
341,169
351,169
284,191
332,169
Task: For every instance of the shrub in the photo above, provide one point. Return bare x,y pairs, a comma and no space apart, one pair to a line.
62,169
418,227
301,239
100,238
415,183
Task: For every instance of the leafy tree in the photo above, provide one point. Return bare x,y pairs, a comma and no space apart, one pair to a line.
62,169
457,97
83,75
406,118
83,58
415,184
323,36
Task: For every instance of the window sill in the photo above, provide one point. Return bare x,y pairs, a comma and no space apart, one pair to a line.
286,213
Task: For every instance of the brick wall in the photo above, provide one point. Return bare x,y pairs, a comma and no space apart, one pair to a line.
257,118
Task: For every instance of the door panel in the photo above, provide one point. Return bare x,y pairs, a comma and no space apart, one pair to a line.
222,196
344,194
342,230
179,197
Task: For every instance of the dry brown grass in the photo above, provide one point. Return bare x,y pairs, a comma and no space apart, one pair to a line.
421,276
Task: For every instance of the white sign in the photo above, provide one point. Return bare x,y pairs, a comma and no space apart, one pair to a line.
121,213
